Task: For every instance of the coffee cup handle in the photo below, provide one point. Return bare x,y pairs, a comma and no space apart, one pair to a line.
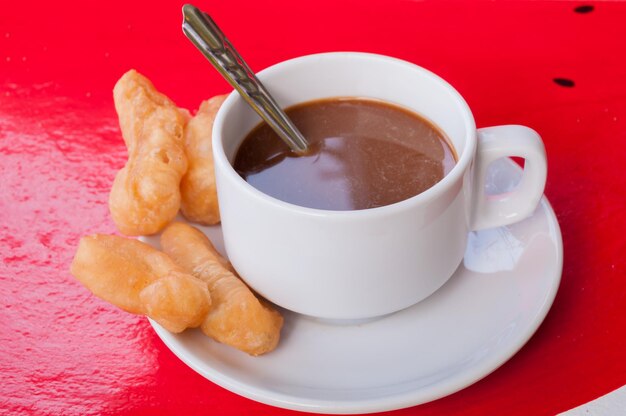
505,208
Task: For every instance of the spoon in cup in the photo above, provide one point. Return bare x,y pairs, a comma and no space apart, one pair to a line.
211,42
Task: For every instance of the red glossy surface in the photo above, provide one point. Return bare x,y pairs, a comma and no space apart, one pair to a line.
64,351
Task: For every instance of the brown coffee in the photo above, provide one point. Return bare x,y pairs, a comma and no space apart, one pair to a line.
364,154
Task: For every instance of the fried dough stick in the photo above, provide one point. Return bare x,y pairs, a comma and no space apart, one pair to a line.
237,317
197,188
142,280
145,195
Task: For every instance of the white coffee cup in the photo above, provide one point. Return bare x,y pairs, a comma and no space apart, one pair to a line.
366,263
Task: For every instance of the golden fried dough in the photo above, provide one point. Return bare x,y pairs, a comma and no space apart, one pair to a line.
176,302
142,280
237,318
197,188
145,194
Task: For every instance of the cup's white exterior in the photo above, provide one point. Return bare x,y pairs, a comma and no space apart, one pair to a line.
347,264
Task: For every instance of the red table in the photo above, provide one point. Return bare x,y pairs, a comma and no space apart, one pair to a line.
548,65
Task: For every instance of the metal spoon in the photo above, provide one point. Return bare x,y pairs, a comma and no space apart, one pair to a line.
209,39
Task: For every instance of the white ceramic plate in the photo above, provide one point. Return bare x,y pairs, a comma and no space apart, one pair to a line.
480,318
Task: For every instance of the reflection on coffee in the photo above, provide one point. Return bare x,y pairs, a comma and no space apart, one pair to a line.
364,154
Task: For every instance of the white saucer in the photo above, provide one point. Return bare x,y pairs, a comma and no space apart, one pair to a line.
480,318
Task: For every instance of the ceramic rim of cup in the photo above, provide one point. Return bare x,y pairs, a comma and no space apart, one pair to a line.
465,157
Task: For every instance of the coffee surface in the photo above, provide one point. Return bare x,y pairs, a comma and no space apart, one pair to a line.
364,154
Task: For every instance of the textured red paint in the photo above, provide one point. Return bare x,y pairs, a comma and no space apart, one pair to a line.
64,351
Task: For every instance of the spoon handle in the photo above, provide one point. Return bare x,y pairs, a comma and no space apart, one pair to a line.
209,39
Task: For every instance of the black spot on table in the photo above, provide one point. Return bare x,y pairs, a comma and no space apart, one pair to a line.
586,8
564,82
